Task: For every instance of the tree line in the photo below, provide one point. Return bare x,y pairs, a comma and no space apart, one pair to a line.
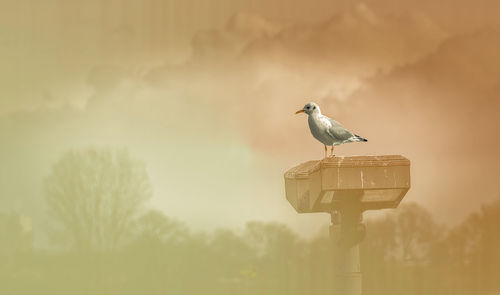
106,241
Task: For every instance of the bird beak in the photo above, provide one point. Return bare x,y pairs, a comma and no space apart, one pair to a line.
299,111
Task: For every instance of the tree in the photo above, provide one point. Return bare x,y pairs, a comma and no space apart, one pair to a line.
95,195
396,251
471,251
15,233
416,232
405,234
154,227
278,252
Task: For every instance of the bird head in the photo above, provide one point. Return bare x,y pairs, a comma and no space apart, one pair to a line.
309,109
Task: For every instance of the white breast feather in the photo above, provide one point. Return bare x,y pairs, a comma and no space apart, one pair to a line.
325,122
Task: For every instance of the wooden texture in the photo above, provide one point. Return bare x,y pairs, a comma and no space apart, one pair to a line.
375,182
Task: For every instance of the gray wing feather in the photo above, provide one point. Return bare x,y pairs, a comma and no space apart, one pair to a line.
338,132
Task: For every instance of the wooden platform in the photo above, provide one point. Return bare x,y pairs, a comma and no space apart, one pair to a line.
375,182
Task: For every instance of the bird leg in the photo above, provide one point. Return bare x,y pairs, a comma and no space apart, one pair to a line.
326,149
331,153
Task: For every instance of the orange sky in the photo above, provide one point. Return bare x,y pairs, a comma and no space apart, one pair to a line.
206,94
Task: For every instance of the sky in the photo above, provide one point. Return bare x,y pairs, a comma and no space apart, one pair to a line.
205,93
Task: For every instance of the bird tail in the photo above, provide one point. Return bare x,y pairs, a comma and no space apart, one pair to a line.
359,138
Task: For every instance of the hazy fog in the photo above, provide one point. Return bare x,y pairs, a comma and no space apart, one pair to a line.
205,94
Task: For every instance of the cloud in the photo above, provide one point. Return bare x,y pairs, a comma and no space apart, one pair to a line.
442,112
395,78
255,72
458,82
358,34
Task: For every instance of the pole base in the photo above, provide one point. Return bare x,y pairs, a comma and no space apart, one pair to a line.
349,283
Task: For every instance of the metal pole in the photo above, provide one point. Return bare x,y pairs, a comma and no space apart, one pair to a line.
348,231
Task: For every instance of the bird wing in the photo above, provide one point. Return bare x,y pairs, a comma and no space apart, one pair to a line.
337,131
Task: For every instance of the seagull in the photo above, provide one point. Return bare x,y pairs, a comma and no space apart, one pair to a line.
327,130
